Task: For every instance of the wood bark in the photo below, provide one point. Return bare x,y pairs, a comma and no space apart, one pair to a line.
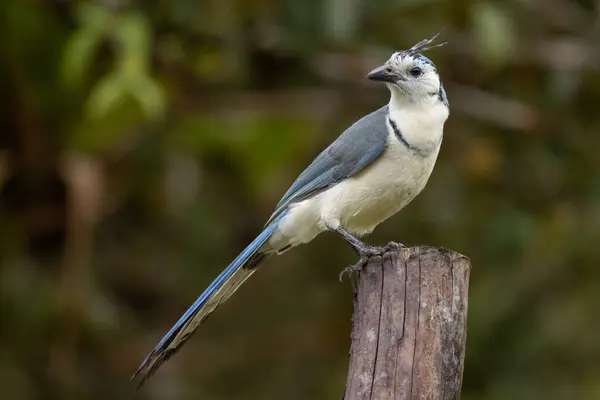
409,326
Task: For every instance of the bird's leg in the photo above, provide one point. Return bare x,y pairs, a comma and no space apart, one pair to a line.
363,250
357,245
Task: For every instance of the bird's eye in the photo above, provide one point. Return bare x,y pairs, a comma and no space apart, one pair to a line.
388,70
416,72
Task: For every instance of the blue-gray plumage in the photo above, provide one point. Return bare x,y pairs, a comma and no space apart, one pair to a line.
374,169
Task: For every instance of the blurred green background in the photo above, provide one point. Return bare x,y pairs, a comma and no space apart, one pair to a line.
145,143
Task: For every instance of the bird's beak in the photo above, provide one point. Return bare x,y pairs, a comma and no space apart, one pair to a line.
381,74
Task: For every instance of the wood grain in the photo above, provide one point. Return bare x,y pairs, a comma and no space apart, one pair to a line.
409,326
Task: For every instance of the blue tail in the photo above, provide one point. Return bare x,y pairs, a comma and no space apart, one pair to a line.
220,290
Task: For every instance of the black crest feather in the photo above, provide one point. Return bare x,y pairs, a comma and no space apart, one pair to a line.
424,45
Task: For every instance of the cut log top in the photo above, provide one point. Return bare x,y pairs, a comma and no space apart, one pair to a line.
409,326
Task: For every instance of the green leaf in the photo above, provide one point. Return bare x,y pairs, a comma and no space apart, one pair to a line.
150,96
95,22
133,37
77,56
118,125
106,94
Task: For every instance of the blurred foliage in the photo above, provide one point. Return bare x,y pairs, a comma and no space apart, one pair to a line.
144,143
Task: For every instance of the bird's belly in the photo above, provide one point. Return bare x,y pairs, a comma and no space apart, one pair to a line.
361,216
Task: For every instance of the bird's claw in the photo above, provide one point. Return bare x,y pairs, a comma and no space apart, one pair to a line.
357,266
366,253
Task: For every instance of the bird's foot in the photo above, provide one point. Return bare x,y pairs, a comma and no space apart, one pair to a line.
365,252
357,266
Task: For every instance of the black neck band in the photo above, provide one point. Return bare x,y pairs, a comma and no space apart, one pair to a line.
401,137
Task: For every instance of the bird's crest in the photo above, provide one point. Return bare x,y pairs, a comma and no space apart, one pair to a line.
422,46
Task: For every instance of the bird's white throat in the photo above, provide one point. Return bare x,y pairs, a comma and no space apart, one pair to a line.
420,123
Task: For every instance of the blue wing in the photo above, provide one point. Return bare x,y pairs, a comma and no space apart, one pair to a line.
354,150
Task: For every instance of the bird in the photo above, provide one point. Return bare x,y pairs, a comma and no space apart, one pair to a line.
369,173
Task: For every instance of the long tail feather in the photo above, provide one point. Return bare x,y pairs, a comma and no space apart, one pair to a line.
228,281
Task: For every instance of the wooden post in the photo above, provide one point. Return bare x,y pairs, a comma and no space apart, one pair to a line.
409,326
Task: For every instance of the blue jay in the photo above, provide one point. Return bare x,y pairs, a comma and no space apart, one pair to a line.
374,169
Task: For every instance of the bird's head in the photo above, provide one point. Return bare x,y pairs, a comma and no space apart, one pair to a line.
411,74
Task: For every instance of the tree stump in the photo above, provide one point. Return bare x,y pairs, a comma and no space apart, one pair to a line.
409,326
